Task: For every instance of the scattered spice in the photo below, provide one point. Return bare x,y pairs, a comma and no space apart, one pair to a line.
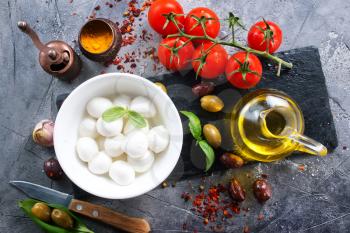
260,217
97,8
264,176
245,229
345,147
301,167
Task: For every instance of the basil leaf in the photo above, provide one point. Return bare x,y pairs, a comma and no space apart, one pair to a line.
209,153
79,226
194,125
137,119
113,113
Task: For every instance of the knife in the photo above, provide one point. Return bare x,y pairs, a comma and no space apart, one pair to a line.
96,212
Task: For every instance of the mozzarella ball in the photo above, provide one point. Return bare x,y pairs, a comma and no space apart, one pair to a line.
87,128
135,144
142,164
109,129
97,106
122,101
144,106
100,164
122,173
113,146
158,139
129,127
87,149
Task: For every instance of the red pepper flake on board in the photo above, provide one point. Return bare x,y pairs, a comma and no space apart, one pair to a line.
246,229
260,217
301,167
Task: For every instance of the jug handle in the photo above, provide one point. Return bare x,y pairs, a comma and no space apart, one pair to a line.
308,145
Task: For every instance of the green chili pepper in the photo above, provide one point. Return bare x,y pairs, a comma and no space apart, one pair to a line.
79,226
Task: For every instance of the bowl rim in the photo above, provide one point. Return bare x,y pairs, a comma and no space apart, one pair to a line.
70,175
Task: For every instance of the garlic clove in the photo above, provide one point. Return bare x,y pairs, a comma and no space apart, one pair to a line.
144,106
97,106
87,128
122,173
135,144
100,164
109,129
87,149
113,146
129,127
43,133
142,164
122,101
158,139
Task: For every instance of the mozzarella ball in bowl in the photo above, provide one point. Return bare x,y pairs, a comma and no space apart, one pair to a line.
122,173
100,164
135,144
87,148
129,127
158,139
113,146
109,129
87,128
143,163
144,106
97,106
122,101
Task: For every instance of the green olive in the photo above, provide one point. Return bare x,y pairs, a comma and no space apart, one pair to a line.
212,135
212,103
41,211
161,86
62,219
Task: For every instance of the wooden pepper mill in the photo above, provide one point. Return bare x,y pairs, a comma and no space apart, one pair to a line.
56,57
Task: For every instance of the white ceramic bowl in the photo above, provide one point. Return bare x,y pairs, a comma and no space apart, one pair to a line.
73,110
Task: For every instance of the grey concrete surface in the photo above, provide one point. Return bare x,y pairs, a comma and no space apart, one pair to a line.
314,200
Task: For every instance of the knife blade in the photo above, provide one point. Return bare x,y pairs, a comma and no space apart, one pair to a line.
42,193
97,212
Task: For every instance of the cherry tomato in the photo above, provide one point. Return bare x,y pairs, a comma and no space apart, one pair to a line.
243,71
193,26
215,61
156,18
264,32
178,60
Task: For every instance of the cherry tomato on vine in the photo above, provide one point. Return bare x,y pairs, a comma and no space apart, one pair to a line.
213,59
243,70
205,15
180,58
157,20
263,33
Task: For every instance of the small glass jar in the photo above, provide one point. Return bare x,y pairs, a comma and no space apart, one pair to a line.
95,26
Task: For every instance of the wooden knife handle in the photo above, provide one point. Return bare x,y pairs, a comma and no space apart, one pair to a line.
108,216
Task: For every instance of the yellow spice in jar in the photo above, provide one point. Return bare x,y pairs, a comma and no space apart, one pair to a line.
96,38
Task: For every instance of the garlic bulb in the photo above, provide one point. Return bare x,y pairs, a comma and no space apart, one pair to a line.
43,133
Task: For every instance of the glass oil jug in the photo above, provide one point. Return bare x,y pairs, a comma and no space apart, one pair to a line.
267,125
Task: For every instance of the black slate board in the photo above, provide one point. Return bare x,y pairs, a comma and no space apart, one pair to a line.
305,83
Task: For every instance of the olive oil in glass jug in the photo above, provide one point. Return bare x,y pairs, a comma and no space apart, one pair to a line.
267,125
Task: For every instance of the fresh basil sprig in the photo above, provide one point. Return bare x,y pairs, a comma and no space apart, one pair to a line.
117,112
196,131
79,226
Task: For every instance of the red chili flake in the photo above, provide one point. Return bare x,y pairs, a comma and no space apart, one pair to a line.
103,72
245,229
116,61
301,167
345,147
260,217
133,65
184,226
98,7
264,176
206,221
120,67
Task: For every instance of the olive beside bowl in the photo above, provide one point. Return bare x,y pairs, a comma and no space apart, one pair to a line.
72,112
